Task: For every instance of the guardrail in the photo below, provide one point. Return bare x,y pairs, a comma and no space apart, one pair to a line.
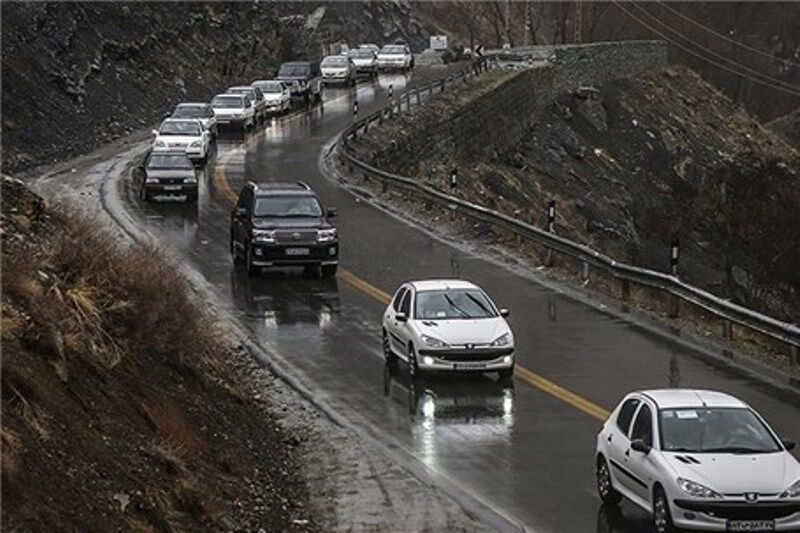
728,312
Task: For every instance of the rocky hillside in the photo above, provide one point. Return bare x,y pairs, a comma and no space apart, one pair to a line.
633,164
121,409
78,74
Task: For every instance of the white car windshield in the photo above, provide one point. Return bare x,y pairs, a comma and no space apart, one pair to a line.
169,161
180,128
334,61
393,50
453,304
193,111
362,53
241,90
715,430
228,102
294,70
269,86
287,207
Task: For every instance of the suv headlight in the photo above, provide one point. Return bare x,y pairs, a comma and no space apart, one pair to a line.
195,144
793,491
326,235
432,342
502,340
264,235
696,489
160,144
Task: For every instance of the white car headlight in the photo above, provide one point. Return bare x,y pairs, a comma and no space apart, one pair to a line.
264,235
326,235
432,342
696,489
195,144
793,491
502,340
160,144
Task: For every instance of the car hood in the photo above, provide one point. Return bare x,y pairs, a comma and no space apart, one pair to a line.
391,56
169,173
455,332
273,97
363,61
734,473
291,223
333,69
292,78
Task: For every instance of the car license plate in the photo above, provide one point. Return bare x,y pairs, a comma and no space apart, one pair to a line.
751,525
172,187
297,251
469,366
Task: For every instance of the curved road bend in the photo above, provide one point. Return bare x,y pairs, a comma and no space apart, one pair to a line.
527,449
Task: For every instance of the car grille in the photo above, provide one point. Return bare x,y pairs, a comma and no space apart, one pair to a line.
742,511
296,237
170,181
486,354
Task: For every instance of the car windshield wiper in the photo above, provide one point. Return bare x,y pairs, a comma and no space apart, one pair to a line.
454,306
479,304
737,450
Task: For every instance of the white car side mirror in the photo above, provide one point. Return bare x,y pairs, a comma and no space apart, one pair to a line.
155,132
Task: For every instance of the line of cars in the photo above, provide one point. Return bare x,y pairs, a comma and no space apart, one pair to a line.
183,141
694,459
365,61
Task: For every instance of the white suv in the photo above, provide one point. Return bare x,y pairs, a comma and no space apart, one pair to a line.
182,135
395,57
234,109
698,459
449,325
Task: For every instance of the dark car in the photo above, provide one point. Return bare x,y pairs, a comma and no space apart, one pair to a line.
303,78
280,225
168,174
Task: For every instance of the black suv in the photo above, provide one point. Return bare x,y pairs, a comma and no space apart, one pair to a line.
303,78
283,224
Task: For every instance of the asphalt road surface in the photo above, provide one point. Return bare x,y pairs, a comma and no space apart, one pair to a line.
525,449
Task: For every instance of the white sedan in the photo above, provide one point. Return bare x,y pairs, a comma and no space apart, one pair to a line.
698,459
276,95
447,325
182,135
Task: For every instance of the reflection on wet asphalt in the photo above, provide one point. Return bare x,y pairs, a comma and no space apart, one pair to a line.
520,449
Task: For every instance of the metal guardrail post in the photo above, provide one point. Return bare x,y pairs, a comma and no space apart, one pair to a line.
454,178
391,91
674,301
795,357
551,225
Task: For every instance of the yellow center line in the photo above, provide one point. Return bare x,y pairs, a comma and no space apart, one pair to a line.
538,381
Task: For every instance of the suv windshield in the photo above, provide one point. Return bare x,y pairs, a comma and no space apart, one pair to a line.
269,86
390,49
453,304
295,70
193,111
163,161
334,61
229,102
180,128
363,53
287,206
715,430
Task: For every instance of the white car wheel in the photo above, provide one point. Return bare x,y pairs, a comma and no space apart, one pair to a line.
662,521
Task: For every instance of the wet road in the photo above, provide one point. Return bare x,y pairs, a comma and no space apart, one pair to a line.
526,451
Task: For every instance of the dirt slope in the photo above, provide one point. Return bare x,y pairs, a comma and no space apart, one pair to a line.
120,409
